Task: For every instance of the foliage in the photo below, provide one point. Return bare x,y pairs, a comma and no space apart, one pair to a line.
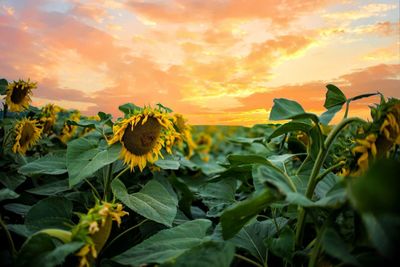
300,192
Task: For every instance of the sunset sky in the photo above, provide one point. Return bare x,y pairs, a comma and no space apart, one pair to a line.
215,61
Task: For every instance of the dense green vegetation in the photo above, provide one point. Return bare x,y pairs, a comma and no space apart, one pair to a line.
148,189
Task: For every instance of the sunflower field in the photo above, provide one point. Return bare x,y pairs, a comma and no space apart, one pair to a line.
147,189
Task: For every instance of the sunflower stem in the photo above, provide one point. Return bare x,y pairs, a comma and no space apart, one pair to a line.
312,182
107,180
247,260
5,109
123,233
9,238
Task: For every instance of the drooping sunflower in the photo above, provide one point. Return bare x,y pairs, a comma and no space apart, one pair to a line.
18,95
185,132
94,229
69,130
141,136
48,117
27,133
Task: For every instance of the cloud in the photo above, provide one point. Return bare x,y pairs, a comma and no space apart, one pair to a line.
382,78
177,11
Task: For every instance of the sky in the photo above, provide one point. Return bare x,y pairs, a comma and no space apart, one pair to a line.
214,61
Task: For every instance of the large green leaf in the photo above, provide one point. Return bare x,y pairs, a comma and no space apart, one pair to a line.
11,180
334,97
252,236
384,233
41,250
210,254
217,196
377,190
237,215
328,115
52,212
167,245
153,201
6,193
333,244
50,189
285,109
283,245
268,173
84,157
167,164
290,127
49,164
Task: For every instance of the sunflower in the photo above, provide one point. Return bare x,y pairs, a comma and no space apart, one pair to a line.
141,136
185,132
18,95
27,133
48,117
204,143
367,150
69,130
94,228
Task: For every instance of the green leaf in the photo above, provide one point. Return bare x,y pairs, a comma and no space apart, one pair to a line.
246,159
383,232
283,245
85,157
49,164
217,196
129,108
285,109
336,247
153,201
210,254
377,190
252,236
237,215
162,107
18,208
40,250
362,96
334,97
167,164
291,127
6,193
50,189
328,115
11,180
166,245
268,173
3,86
52,212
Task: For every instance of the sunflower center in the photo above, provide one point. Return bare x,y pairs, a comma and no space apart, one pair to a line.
18,94
27,134
141,139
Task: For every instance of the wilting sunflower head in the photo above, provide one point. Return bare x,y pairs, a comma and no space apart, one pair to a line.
69,130
94,229
185,134
27,133
141,137
48,117
18,95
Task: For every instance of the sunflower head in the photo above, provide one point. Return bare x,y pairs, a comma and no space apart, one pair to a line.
184,134
48,117
27,133
69,130
18,95
94,228
141,136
